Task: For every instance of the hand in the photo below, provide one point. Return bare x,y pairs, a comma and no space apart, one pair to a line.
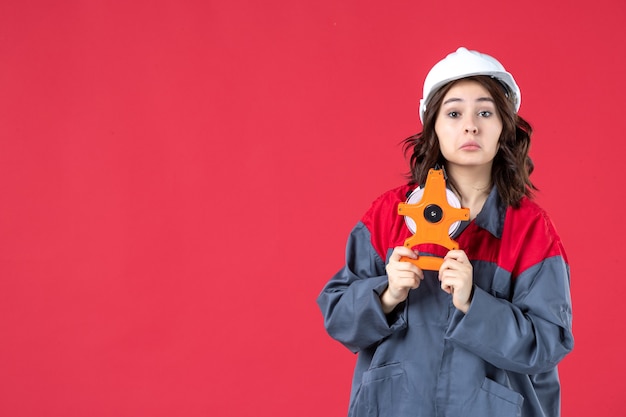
456,276
402,277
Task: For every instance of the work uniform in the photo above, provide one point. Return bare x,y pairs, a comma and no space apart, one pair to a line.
426,358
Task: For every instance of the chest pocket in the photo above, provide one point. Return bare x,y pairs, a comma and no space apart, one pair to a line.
492,279
483,250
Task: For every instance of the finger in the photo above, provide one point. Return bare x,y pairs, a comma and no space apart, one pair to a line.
409,283
447,268
404,268
452,263
404,271
404,282
447,286
457,255
400,251
409,277
412,269
403,286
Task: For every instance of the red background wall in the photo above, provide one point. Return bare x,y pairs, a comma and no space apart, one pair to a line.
178,178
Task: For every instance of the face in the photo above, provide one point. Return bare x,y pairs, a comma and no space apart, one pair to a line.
468,125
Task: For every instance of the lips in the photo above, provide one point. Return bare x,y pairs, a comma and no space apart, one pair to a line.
470,146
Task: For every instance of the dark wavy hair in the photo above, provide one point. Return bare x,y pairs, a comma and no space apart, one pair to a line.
512,166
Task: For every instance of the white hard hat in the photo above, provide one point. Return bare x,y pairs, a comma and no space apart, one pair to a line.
464,63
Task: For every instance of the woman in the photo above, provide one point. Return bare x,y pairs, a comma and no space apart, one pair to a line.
483,335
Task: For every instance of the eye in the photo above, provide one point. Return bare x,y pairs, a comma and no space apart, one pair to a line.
485,113
453,114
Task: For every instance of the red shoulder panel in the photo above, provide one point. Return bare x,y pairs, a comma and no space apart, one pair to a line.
529,237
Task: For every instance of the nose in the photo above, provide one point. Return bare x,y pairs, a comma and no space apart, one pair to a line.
470,126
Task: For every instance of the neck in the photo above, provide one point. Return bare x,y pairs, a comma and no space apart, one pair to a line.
472,184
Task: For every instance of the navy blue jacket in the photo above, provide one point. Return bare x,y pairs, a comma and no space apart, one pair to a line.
429,359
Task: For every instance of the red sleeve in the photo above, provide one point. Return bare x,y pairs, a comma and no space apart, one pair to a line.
386,226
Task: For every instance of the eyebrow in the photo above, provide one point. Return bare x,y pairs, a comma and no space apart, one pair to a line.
455,99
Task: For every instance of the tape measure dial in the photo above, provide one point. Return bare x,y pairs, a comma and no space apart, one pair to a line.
416,196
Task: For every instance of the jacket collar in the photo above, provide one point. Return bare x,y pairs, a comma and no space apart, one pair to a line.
491,217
